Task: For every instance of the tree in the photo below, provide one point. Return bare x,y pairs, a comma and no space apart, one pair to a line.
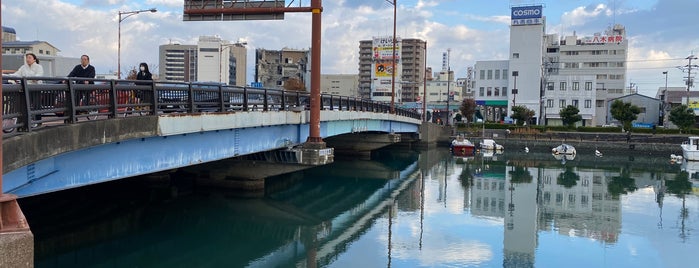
468,109
568,178
682,117
132,74
522,114
570,115
294,84
625,112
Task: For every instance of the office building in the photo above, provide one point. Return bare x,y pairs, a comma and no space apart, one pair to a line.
340,84
375,59
178,63
212,59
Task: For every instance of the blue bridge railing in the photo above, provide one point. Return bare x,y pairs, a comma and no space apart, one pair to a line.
28,103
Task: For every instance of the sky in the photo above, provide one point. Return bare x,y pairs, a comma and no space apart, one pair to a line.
662,33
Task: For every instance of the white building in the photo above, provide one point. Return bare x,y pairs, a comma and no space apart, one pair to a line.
211,60
564,90
218,61
490,88
545,73
602,56
340,84
526,56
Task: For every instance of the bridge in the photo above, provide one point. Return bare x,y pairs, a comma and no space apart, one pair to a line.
63,133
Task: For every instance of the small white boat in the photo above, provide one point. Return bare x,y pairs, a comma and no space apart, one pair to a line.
564,149
489,144
690,149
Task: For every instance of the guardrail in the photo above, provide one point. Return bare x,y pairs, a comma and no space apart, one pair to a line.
28,103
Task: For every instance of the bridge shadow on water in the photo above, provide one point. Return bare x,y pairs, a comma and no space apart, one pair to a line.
155,222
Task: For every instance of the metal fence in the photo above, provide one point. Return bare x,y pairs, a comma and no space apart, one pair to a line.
32,102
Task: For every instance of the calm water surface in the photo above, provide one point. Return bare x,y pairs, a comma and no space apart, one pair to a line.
401,208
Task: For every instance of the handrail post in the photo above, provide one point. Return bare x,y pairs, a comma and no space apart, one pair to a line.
190,98
220,98
154,100
245,99
283,100
114,100
27,105
264,102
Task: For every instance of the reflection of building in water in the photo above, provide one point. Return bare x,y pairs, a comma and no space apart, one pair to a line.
586,209
520,222
488,193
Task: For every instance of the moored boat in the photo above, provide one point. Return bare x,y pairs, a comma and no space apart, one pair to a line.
461,146
564,149
690,149
489,144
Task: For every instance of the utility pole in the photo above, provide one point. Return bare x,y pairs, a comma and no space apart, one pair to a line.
689,67
448,83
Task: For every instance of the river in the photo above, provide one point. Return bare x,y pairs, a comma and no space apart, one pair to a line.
400,208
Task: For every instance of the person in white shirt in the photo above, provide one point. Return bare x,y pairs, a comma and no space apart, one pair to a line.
30,68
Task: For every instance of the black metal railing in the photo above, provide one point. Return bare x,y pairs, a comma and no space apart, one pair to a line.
28,103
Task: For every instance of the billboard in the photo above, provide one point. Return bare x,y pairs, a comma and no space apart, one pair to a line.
382,68
527,15
603,39
200,10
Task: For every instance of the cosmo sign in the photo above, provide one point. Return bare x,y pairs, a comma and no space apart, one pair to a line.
527,15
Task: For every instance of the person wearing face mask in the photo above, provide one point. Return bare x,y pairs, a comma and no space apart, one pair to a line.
143,75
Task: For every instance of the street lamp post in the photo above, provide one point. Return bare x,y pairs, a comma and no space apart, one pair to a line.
122,18
664,107
393,71
514,89
448,83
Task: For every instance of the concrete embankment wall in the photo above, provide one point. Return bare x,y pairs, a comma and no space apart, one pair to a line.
607,143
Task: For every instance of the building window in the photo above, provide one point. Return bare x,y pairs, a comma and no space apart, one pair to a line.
549,86
549,103
563,86
497,91
504,91
515,55
497,74
482,72
588,85
599,103
588,103
481,91
41,51
576,86
504,74
561,104
575,103
490,74
490,91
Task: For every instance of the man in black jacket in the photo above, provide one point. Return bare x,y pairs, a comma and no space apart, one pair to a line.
84,69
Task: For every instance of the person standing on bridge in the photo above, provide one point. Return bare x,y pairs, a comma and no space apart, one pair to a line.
84,69
143,75
30,68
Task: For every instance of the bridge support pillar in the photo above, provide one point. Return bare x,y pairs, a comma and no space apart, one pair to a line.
316,153
16,240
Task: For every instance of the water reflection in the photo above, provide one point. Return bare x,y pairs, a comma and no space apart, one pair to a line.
401,208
